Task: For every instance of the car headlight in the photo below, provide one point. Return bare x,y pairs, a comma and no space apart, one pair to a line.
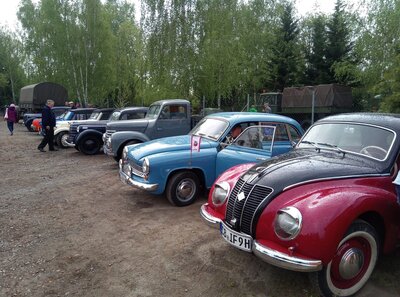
221,192
146,166
125,153
288,223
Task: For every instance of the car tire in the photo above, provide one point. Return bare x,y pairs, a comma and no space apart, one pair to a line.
183,188
28,125
352,264
119,154
89,145
61,139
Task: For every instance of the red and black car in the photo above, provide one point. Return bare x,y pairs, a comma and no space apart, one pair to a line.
328,207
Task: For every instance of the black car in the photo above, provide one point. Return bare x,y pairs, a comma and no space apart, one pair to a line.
29,117
87,137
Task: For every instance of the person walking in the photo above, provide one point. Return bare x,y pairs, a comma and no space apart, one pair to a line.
11,118
48,124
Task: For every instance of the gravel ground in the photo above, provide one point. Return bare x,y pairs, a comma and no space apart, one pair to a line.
69,227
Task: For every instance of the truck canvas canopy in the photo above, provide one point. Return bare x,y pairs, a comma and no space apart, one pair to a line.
33,97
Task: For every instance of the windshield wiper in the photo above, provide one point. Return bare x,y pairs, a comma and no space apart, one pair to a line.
317,148
332,146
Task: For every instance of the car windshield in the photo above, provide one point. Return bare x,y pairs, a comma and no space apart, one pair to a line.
153,111
94,115
69,115
115,116
371,141
210,128
62,116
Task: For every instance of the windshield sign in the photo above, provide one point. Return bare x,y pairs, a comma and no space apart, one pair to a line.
115,116
210,128
370,141
94,115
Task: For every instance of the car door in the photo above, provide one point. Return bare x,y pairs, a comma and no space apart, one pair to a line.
173,120
254,144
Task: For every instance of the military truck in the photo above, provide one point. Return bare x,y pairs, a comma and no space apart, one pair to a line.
297,102
32,98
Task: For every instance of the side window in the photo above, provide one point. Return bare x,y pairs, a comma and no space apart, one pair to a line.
175,111
134,116
281,133
294,134
124,116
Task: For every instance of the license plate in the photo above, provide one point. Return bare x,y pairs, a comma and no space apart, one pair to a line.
241,241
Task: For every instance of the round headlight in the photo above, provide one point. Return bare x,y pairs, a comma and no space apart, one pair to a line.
288,223
125,153
221,192
146,166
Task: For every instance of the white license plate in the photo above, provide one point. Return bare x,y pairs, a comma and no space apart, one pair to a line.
239,240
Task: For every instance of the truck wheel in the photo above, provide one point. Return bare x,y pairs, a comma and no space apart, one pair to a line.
89,145
61,139
183,188
353,263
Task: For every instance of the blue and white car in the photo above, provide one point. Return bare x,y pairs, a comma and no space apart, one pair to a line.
172,166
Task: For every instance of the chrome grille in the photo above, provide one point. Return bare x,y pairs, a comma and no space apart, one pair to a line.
136,169
243,211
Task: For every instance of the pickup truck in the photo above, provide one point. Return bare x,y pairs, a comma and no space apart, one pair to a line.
169,117
87,137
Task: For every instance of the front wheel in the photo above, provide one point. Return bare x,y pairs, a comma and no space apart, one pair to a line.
353,263
90,145
183,188
61,139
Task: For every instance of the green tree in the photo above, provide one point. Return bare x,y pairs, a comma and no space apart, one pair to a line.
286,56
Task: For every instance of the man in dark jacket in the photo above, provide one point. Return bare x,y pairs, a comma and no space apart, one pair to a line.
48,124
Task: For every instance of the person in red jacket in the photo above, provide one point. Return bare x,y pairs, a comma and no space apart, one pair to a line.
11,118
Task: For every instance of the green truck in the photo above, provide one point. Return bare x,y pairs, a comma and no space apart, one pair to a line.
309,104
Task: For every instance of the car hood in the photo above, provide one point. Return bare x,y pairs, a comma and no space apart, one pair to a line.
166,144
303,165
128,125
89,123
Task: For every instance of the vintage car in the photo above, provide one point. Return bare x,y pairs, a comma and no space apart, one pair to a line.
32,120
170,165
86,136
328,207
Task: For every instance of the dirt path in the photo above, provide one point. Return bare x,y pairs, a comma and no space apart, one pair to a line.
69,227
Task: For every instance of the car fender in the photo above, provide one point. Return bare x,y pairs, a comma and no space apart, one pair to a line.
88,132
61,129
328,208
163,165
119,139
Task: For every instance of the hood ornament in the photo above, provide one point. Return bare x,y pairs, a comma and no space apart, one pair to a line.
240,196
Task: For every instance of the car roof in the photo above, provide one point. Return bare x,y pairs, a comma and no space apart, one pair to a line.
132,108
235,117
104,109
78,110
387,120
172,101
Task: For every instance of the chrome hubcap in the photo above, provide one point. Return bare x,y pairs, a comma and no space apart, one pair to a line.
351,263
185,189
64,140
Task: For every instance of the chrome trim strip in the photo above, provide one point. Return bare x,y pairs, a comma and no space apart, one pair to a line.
332,178
129,181
285,261
209,219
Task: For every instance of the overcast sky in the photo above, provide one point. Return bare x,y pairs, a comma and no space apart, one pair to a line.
9,8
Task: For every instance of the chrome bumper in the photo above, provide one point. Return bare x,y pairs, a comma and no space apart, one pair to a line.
285,261
107,151
208,218
69,144
269,255
129,181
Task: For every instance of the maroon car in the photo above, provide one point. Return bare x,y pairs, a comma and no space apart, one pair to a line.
328,207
